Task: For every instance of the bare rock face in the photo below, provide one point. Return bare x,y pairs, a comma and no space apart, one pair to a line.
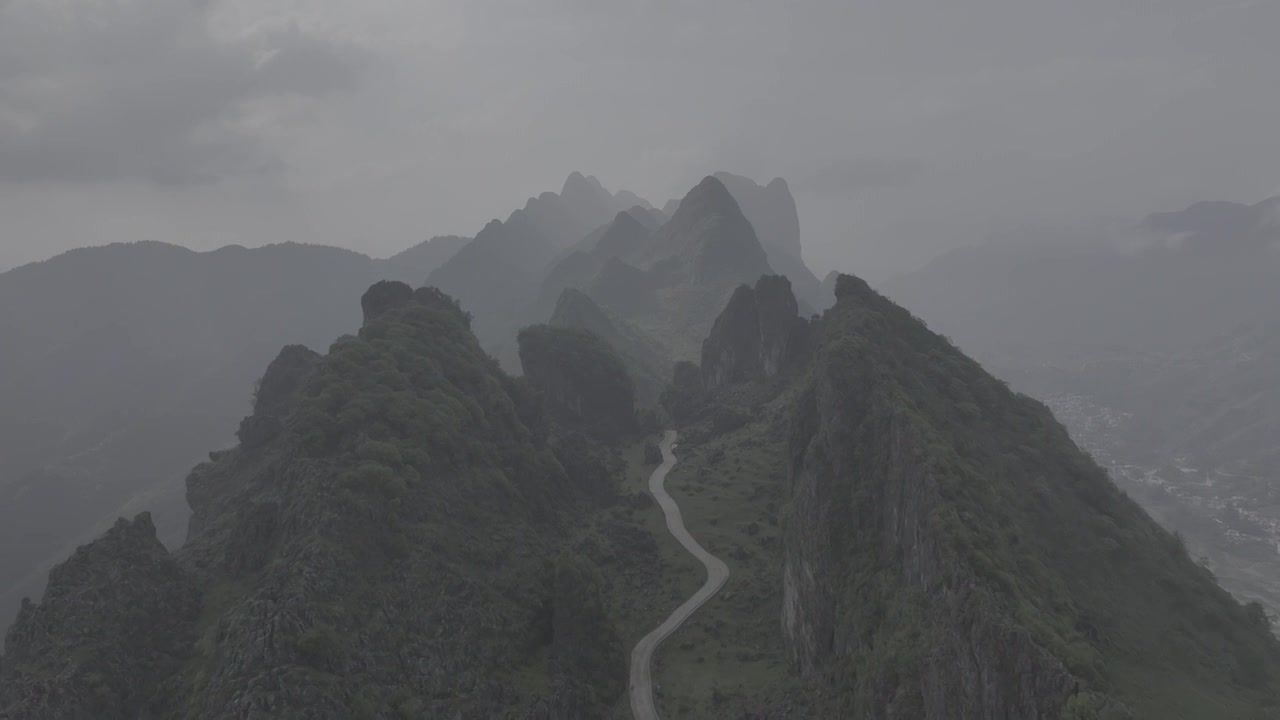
384,296
757,336
275,390
118,617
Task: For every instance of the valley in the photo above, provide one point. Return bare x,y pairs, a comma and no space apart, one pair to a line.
1230,519
639,360
857,519
641,682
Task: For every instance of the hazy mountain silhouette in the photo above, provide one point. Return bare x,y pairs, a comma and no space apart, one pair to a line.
1216,228
123,365
668,282
772,212
497,275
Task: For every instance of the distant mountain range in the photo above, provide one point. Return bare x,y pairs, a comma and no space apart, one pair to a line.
1200,278
124,365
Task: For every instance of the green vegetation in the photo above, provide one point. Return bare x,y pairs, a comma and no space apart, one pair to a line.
1016,535
401,544
730,659
646,361
583,379
407,531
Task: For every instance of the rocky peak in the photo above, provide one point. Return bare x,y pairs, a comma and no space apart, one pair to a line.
851,287
771,210
384,297
624,234
587,189
117,617
709,197
710,230
273,396
757,337
283,377
576,309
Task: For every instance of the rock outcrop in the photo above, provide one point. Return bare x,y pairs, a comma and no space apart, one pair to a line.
274,395
772,212
384,297
117,620
597,256
712,237
670,281
498,275
757,337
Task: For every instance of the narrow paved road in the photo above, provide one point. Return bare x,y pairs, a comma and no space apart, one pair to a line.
642,706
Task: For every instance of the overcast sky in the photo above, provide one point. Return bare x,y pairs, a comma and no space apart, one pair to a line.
904,126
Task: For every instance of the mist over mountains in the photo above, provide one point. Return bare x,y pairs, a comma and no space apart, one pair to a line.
639,361
446,515
127,364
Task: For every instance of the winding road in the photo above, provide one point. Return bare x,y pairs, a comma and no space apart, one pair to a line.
642,706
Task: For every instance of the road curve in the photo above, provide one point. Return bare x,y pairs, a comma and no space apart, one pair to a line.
642,706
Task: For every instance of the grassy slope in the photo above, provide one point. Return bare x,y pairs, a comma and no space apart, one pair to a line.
729,657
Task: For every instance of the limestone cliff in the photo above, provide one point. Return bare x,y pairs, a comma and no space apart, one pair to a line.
950,553
757,336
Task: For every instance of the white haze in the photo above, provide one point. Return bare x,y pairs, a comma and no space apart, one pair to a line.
904,126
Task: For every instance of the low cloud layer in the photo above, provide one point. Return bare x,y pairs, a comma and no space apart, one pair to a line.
905,127
110,90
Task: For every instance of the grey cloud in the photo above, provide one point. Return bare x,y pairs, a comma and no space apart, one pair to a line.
852,175
905,127
142,90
